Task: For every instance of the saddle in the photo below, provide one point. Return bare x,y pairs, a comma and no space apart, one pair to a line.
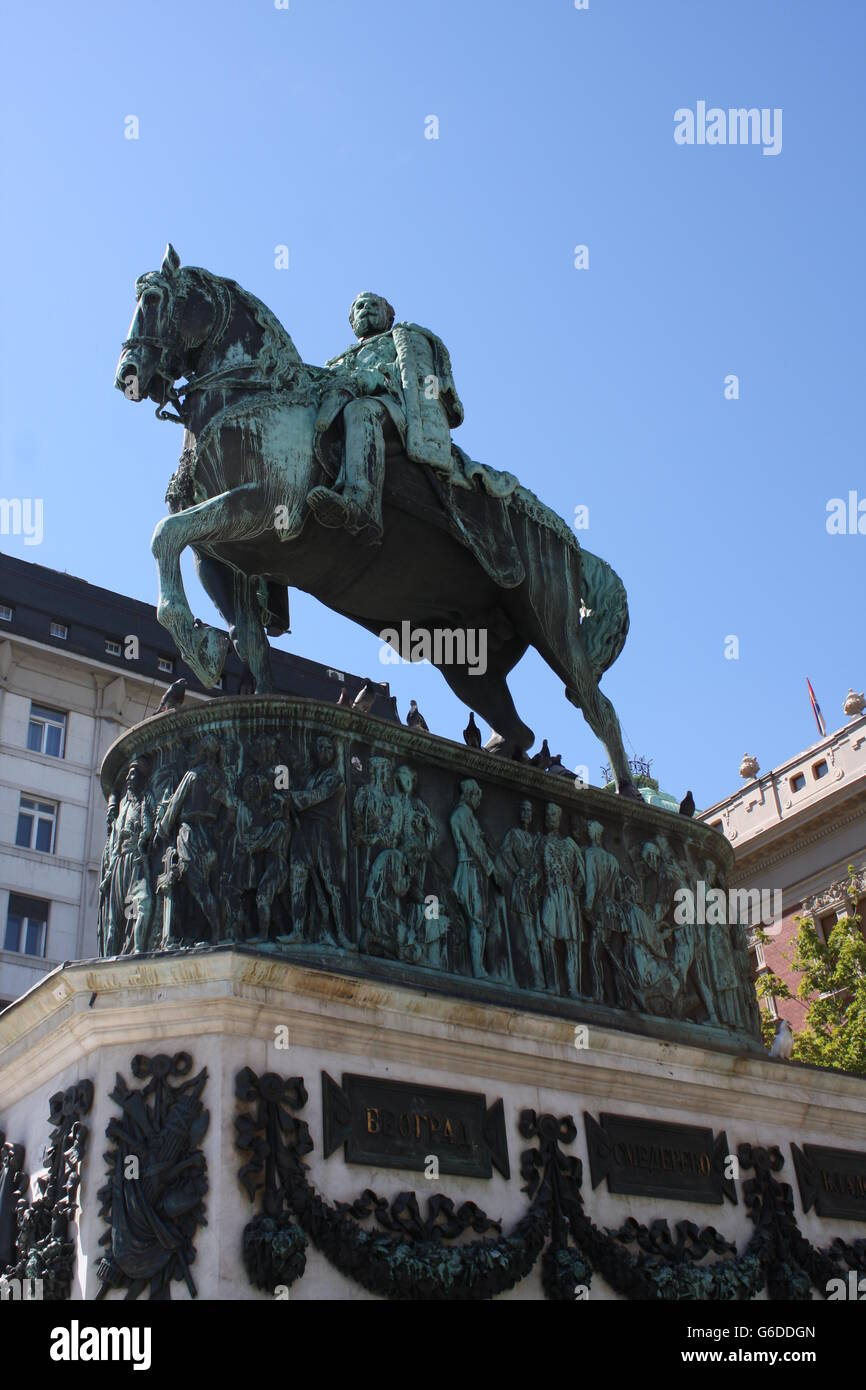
471,515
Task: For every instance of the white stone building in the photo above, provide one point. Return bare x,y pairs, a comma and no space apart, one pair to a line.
795,830
70,682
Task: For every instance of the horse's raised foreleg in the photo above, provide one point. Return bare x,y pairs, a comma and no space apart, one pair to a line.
233,516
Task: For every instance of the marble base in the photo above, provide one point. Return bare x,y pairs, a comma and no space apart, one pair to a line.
228,1007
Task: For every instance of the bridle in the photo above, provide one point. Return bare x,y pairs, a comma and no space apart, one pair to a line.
225,376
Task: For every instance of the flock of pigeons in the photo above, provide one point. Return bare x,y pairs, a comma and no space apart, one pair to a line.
366,698
543,759
364,701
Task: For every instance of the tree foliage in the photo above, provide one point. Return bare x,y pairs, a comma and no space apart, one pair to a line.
833,986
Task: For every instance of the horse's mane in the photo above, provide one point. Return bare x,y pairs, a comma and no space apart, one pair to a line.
279,356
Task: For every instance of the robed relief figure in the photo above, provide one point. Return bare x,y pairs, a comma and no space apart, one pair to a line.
563,878
603,903
187,820
372,811
103,895
474,873
261,853
397,919
719,946
318,868
650,984
130,904
519,871
689,959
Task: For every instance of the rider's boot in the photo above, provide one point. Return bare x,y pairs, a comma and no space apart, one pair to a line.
357,504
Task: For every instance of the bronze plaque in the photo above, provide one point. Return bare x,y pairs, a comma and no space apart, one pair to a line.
833,1181
646,1158
401,1124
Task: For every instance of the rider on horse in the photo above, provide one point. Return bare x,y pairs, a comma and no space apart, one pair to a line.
396,375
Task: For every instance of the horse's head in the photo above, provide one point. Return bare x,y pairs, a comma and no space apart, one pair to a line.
173,316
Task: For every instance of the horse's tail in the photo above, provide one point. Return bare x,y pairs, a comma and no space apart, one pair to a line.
605,613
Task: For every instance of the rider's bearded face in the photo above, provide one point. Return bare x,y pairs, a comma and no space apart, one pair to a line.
368,316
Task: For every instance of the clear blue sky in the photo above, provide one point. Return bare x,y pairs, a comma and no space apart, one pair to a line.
601,387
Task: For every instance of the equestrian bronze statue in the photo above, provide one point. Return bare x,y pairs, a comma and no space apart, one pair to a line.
344,481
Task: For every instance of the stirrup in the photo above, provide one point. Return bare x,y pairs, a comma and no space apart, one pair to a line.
329,508
333,509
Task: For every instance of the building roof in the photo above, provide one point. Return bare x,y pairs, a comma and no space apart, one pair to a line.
799,802
91,615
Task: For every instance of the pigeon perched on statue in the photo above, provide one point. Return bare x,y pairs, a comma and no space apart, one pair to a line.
542,757
556,769
472,733
173,697
366,696
783,1043
415,719
687,805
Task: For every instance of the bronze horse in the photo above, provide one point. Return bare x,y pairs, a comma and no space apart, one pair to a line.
239,499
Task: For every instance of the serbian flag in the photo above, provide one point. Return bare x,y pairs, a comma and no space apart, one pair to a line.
816,710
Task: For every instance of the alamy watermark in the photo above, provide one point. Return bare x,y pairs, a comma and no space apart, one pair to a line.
738,125
714,907
22,516
846,517
21,1290
441,646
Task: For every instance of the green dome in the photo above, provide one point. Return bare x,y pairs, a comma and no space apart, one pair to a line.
653,796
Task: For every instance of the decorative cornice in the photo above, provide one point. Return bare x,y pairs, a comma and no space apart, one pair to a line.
231,993
838,894
746,864
432,750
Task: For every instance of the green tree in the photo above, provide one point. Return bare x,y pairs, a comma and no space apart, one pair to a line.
833,986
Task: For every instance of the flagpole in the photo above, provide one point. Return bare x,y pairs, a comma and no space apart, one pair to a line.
816,710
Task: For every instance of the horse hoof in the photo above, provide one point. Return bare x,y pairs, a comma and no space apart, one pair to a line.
208,656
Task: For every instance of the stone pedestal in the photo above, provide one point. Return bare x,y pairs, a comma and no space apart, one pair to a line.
238,1012
315,832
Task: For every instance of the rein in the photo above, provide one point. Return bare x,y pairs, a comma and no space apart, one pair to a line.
226,377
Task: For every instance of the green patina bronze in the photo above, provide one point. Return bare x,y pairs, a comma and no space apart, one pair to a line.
343,481
289,826
345,841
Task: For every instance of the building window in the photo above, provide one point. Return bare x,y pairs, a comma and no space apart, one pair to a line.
824,925
6,613
26,925
772,1006
47,731
113,648
58,630
798,781
165,664
820,770
37,822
